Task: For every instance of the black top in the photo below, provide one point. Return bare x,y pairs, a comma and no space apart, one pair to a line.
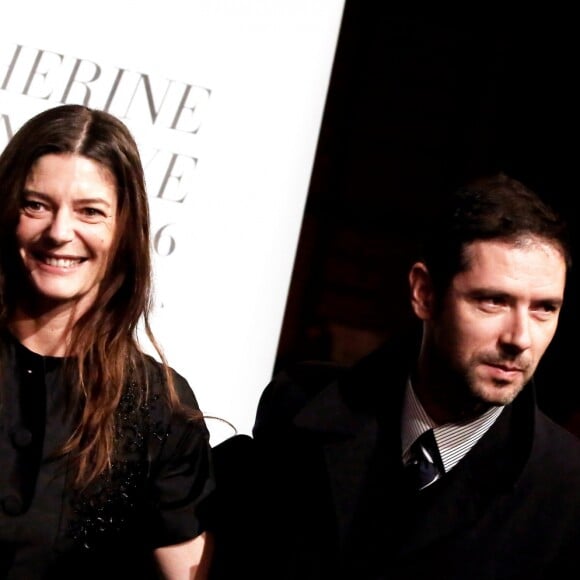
152,496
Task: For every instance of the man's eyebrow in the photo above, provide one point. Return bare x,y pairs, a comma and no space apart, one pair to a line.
483,292
555,302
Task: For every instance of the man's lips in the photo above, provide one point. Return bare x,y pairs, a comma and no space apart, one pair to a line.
503,371
508,368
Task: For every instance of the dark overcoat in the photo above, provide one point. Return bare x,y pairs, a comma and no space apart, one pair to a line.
319,491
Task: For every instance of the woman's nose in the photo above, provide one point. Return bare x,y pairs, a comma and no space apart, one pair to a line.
61,227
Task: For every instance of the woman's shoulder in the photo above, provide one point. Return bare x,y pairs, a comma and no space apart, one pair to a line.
146,405
157,382
149,401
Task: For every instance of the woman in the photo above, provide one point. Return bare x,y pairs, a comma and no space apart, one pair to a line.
104,456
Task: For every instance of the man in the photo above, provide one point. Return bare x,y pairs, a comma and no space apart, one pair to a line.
341,490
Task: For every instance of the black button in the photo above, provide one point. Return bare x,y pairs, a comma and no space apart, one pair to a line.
12,505
21,437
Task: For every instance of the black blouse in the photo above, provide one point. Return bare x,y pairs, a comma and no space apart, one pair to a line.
153,495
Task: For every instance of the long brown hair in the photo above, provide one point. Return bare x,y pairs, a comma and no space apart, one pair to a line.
104,339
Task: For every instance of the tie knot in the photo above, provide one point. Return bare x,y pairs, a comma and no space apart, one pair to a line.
425,465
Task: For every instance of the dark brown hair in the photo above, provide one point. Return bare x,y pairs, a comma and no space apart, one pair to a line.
106,348
492,207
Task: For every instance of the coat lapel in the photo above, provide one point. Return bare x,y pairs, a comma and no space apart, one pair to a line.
346,418
348,446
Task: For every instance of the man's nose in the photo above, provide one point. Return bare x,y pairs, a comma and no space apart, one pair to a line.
516,332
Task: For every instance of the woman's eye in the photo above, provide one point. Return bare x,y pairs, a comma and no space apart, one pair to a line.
92,213
33,206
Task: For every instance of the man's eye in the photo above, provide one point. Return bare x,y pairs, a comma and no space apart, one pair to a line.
493,301
546,309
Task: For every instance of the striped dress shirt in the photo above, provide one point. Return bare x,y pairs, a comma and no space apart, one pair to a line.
454,440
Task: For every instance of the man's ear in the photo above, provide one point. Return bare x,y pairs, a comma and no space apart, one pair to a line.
421,286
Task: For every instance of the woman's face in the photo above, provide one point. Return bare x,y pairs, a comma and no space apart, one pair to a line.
66,229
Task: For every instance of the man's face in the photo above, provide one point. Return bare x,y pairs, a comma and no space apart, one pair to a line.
498,317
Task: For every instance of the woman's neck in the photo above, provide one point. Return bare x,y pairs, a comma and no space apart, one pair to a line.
47,333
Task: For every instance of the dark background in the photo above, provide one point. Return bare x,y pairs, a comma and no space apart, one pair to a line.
420,101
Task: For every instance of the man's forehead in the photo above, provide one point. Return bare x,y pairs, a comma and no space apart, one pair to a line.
525,244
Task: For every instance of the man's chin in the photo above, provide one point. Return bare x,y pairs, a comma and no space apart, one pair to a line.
499,394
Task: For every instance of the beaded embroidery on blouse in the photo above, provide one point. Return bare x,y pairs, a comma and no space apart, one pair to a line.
106,508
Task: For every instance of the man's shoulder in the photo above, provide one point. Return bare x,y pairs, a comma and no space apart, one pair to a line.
556,442
309,376
292,388
328,388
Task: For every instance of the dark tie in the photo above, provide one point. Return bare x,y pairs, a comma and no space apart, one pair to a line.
425,465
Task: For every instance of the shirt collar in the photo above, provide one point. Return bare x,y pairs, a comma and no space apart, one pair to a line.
454,440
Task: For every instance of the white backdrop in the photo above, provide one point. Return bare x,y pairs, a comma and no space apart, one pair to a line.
225,99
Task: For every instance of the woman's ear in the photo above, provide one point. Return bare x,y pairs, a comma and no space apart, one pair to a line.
421,287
